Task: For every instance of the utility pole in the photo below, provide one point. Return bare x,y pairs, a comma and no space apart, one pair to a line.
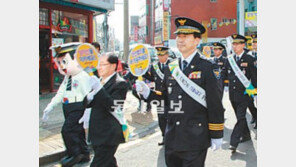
151,21
125,31
105,30
241,29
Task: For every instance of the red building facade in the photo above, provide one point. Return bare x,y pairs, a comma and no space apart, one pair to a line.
219,17
61,22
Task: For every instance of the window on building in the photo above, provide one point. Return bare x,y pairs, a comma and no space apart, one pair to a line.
213,23
213,0
232,21
224,20
43,17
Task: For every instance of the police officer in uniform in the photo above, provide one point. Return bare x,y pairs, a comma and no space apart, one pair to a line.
254,46
192,126
156,75
220,60
251,106
239,100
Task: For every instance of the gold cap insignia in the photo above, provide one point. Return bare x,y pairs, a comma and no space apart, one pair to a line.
234,36
182,22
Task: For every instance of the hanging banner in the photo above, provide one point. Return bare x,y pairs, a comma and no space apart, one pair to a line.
165,26
205,35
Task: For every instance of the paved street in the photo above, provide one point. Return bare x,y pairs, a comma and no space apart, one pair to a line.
146,153
50,140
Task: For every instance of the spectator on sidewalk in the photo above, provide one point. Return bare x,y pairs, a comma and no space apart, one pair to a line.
97,46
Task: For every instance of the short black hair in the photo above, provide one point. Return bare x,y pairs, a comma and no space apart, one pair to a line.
113,59
96,45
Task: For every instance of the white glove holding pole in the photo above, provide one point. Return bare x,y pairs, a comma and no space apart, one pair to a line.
216,144
46,111
96,86
142,88
85,118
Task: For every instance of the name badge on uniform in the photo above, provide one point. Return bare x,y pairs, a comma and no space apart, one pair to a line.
220,63
171,78
195,75
244,64
170,90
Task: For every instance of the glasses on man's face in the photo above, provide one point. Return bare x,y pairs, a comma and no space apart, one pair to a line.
104,64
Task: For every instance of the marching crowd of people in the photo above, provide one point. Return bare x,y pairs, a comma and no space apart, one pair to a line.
188,89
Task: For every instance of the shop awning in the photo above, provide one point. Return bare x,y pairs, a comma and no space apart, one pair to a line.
76,4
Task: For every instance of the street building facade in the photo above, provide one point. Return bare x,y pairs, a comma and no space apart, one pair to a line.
62,22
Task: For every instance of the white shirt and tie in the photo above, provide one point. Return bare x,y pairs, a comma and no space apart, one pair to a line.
185,62
106,79
162,65
238,57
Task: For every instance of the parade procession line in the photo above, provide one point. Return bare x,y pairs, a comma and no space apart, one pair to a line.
51,145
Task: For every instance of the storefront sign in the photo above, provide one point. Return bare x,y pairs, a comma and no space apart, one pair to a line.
87,57
64,25
104,4
166,5
139,60
136,33
165,26
251,19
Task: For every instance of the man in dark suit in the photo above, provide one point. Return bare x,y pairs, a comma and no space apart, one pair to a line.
108,93
238,98
192,100
156,75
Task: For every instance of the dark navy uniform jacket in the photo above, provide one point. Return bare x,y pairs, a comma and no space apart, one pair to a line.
247,64
193,129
